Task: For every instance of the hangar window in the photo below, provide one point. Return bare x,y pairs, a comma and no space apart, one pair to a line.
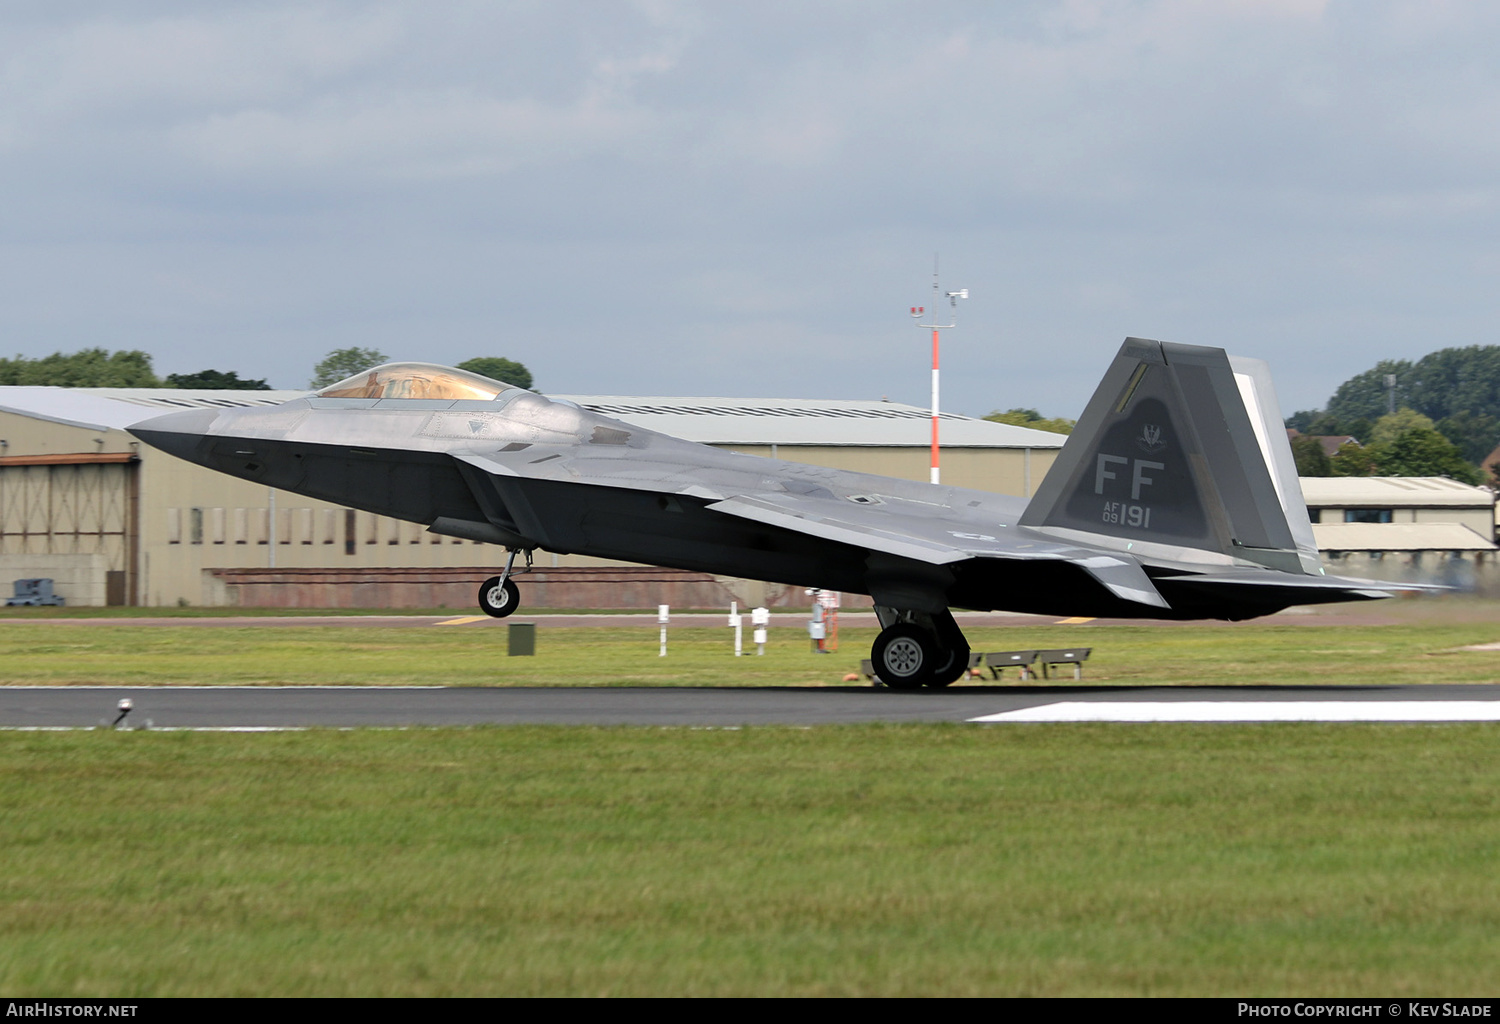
1367,515
416,380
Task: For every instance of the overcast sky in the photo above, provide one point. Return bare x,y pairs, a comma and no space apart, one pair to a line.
693,198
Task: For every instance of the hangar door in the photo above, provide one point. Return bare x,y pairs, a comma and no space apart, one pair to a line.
69,505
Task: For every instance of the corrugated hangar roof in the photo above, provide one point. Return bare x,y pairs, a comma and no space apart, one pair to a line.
788,421
1398,537
1390,491
807,421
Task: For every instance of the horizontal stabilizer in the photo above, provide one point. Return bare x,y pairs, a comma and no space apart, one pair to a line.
1123,577
1311,584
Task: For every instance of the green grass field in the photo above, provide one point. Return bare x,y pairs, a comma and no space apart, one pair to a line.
898,860
56,653
1292,859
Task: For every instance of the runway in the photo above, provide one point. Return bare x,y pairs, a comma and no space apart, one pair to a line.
288,707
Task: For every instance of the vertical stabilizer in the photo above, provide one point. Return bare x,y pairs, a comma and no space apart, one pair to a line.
1259,396
1180,449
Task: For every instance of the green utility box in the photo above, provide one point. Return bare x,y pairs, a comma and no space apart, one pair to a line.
522,638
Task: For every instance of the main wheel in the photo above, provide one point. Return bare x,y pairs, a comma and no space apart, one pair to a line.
498,600
953,669
906,656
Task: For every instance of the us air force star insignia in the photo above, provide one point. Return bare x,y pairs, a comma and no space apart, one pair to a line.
1150,440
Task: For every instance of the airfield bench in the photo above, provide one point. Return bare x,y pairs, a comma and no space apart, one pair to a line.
997,661
1074,656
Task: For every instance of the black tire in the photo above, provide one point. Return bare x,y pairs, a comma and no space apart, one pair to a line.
499,601
905,656
953,669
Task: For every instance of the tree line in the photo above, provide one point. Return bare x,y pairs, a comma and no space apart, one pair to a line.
1446,418
1437,416
99,368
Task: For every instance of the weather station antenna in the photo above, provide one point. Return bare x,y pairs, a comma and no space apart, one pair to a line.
918,312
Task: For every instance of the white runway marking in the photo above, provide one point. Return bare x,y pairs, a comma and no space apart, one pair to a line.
1256,711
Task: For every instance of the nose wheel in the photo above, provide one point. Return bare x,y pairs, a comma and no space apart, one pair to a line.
499,596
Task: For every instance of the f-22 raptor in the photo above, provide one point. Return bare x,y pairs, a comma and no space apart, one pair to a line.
1176,497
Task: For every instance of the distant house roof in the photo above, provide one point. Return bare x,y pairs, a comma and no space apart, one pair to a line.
1391,492
788,421
1490,460
1398,537
1330,443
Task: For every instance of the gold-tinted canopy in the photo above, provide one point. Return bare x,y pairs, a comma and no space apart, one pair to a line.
416,380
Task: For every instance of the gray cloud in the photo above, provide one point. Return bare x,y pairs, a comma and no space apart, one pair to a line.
708,198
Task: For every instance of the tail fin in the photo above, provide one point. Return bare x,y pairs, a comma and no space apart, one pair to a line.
1182,448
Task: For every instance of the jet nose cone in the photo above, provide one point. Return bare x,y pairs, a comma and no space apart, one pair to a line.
177,433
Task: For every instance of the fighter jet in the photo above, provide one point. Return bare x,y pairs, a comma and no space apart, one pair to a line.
1176,497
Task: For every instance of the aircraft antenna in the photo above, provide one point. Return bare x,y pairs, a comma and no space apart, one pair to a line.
917,313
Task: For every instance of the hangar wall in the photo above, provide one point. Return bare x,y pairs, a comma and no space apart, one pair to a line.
69,506
81,580
580,587
1015,471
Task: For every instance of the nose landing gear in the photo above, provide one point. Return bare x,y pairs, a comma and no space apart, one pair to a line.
499,596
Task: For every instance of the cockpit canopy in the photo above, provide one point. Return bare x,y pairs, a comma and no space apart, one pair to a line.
417,380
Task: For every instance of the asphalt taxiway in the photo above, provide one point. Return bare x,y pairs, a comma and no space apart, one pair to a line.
286,707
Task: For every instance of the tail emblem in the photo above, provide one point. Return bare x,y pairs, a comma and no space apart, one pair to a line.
1150,440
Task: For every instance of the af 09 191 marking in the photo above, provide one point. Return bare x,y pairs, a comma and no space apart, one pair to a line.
1138,477
1127,515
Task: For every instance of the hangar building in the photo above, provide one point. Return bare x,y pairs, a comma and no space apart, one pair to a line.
1419,529
114,521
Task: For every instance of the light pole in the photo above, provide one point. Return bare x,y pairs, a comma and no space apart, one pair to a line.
916,312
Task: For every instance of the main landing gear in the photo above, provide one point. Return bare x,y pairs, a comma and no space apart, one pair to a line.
916,649
499,595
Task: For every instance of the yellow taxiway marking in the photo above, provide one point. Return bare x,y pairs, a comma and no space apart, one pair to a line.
1074,621
462,621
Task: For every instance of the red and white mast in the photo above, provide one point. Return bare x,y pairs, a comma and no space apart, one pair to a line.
917,312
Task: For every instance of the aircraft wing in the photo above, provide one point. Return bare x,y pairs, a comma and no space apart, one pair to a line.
948,541
922,531
919,530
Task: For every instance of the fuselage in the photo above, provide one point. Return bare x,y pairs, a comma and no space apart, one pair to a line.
523,470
